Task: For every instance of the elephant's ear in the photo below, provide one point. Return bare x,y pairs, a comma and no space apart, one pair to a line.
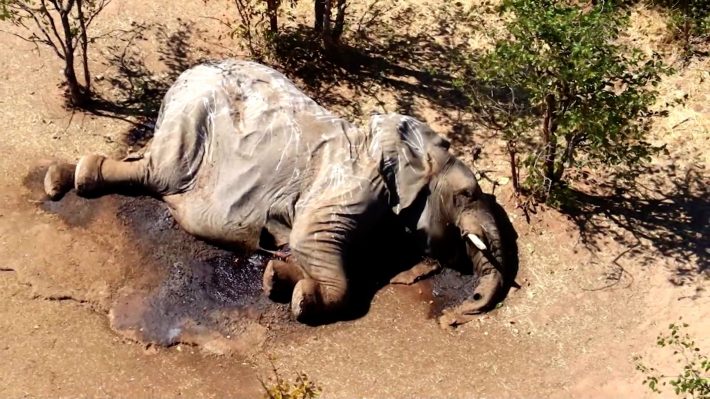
410,154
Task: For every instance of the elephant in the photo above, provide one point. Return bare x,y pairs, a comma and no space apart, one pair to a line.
243,158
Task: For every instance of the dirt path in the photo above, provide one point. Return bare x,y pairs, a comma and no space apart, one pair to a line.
87,285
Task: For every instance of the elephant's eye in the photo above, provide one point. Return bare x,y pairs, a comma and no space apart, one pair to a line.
467,193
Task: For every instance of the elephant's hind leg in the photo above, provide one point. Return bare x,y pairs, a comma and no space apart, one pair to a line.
96,175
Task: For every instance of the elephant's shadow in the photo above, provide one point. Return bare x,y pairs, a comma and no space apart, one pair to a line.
390,250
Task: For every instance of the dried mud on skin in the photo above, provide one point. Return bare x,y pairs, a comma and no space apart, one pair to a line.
188,291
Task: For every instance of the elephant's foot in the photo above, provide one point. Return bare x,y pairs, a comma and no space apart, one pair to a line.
59,180
279,279
305,300
87,177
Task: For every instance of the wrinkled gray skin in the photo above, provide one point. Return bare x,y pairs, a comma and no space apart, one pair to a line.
239,154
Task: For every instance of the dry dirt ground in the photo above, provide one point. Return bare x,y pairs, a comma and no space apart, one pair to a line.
108,298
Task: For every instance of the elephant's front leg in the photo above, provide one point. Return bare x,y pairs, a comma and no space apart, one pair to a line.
280,277
319,240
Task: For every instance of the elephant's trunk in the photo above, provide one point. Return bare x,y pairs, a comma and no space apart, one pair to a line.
483,244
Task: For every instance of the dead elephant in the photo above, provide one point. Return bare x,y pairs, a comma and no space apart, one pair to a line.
242,157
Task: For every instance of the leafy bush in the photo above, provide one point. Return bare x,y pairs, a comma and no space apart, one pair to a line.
694,377
563,91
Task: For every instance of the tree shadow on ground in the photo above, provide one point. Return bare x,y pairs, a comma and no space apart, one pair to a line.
652,218
134,89
372,62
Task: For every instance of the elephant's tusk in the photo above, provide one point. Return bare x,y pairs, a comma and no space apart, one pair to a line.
477,242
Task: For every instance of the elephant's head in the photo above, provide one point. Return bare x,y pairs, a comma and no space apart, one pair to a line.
439,198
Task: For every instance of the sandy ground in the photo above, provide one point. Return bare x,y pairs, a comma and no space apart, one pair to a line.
108,297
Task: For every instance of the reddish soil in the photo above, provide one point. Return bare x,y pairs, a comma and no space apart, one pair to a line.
108,297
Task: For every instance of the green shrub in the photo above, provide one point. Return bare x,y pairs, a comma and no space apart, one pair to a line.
563,91
694,377
301,388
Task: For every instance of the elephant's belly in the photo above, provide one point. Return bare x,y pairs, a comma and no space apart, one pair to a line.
212,221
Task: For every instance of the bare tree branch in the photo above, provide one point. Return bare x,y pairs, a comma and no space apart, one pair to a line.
93,13
34,39
84,44
53,25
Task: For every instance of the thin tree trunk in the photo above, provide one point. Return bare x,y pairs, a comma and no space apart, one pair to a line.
273,6
84,48
513,166
550,140
326,18
319,10
327,33
567,156
339,24
77,97
245,16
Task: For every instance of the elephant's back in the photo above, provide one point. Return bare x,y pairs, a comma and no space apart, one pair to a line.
239,141
235,114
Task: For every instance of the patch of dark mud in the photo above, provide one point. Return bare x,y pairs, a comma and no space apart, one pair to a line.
177,289
190,291
216,304
72,209
448,289
444,289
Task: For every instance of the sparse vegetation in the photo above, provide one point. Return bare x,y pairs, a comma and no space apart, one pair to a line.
563,92
693,380
301,388
61,25
257,22
688,21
